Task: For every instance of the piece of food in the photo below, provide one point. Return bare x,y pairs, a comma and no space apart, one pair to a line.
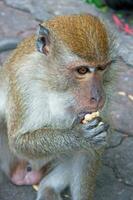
122,93
36,187
89,117
130,97
101,123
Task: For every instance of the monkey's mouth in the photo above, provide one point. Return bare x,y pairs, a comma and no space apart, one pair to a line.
90,116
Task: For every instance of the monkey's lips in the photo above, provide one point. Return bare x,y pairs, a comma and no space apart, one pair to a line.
88,117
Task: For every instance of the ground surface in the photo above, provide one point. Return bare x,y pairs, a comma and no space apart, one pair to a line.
115,181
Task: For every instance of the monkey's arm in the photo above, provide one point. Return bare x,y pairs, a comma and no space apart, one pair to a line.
43,142
47,141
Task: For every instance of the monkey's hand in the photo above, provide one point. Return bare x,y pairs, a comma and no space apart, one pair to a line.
96,132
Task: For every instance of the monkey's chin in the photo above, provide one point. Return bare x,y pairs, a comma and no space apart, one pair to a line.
88,117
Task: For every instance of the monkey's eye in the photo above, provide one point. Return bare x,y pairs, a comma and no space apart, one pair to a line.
101,67
43,40
29,168
82,70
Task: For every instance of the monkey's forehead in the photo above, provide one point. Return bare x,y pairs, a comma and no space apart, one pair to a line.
85,35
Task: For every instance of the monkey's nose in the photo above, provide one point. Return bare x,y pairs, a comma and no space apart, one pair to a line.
97,101
95,94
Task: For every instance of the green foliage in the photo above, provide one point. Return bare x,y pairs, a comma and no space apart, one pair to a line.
98,3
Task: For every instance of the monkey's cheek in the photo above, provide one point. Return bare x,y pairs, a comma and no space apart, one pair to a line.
33,178
17,177
17,180
30,178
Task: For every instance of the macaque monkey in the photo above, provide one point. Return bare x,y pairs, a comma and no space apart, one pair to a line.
53,79
19,171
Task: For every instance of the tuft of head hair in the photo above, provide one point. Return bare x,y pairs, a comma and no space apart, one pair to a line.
85,35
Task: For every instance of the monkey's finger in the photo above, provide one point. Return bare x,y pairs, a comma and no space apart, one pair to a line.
100,140
101,137
93,123
78,120
90,133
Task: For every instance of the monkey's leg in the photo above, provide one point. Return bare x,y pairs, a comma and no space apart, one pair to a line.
49,194
85,169
56,181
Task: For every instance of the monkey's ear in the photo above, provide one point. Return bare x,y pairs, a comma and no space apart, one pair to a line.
43,40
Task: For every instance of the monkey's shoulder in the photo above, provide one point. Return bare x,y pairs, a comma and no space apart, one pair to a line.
24,48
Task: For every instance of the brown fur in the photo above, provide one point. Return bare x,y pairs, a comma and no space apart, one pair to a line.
24,48
81,31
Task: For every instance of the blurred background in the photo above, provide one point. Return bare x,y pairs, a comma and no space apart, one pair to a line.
18,19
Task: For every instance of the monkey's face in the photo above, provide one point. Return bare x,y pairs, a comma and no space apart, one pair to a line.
79,47
21,173
87,87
